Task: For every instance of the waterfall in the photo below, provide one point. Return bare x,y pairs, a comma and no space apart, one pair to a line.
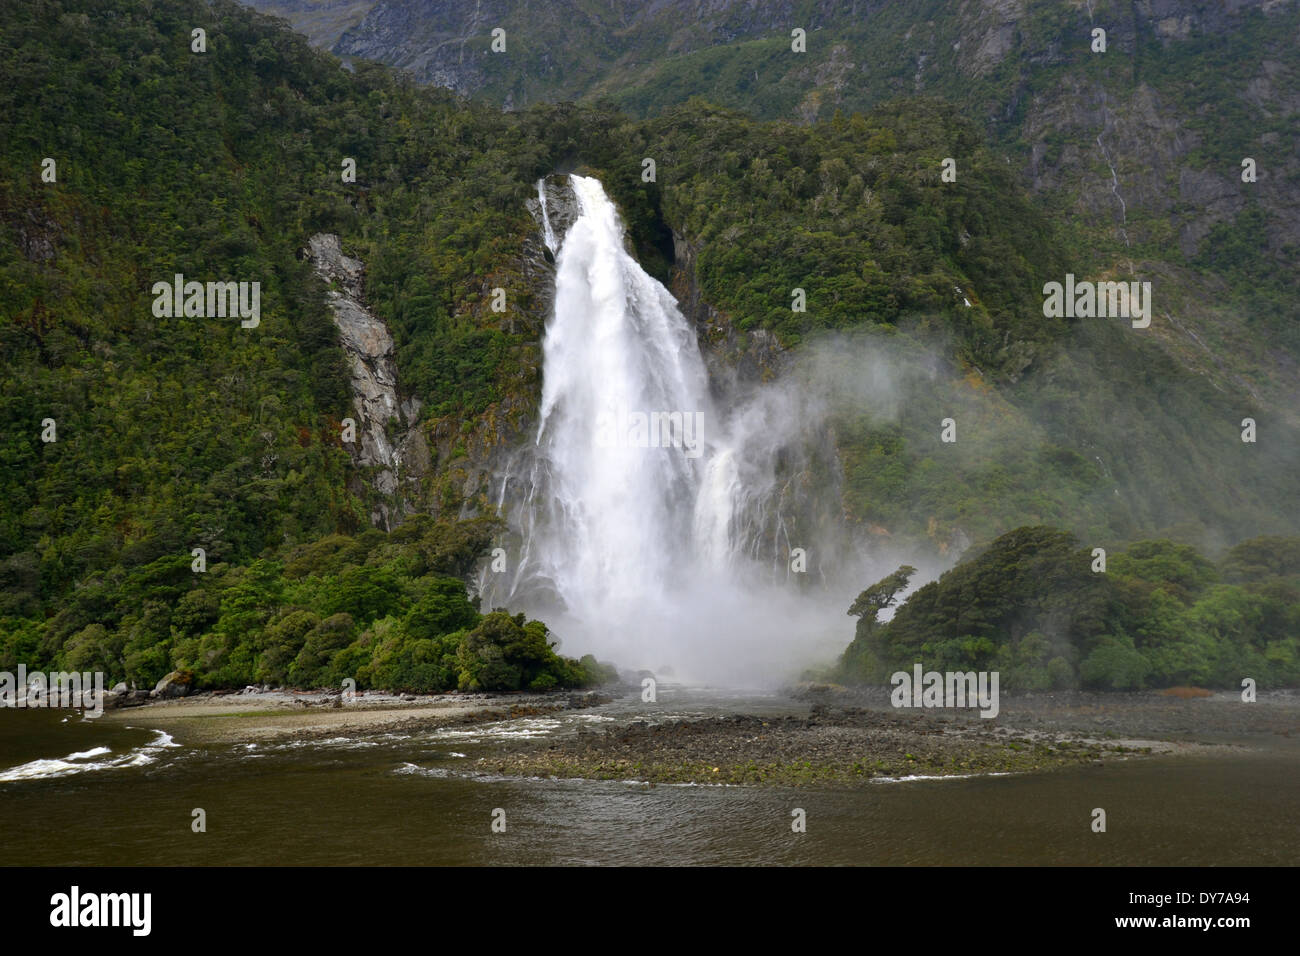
640,495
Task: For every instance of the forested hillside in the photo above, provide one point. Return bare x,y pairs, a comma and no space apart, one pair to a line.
1138,141
129,439
172,434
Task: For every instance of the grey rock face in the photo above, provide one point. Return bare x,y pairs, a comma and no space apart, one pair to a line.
323,21
561,206
432,39
398,451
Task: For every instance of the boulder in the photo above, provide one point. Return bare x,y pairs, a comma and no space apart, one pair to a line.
175,684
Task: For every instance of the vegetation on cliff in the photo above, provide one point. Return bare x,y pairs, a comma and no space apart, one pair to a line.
1036,608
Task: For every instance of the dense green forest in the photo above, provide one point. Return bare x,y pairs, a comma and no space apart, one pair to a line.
175,433
171,434
387,610
1043,612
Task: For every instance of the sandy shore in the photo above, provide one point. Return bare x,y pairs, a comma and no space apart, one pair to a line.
270,715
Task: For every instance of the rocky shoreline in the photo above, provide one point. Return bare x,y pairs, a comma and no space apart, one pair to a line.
852,737
826,737
829,748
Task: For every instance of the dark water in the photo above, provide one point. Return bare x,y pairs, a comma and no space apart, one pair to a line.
409,801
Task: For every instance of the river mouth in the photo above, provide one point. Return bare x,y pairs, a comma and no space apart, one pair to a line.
431,797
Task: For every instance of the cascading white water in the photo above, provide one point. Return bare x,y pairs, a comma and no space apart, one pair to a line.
617,348
631,541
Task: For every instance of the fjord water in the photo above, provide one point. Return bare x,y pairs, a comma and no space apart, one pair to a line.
424,799
639,545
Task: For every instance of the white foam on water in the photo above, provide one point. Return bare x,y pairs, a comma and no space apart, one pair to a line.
81,761
83,754
522,729
913,778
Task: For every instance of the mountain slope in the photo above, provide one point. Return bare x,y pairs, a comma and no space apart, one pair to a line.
1140,146
176,432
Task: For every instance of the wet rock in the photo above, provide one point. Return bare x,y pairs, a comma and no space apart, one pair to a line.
589,699
119,696
135,698
562,208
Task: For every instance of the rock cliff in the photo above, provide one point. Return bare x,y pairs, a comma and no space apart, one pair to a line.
388,448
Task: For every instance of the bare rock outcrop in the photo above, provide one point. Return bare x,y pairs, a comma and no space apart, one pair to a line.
387,438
